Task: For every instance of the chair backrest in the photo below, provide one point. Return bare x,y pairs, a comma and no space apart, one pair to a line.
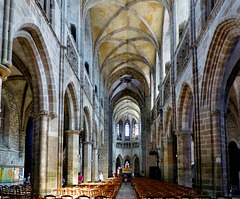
66,197
83,197
100,197
17,189
50,196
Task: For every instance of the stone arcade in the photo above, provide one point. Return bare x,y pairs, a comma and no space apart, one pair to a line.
109,85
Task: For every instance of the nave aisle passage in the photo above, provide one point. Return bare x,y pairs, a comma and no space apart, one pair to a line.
126,191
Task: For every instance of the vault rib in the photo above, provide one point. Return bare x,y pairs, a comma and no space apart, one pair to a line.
130,71
142,54
107,37
127,7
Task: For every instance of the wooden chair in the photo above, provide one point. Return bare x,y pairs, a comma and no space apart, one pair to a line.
2,195
101,197
83,197
11,191
5,191
66,197
18,193
50,197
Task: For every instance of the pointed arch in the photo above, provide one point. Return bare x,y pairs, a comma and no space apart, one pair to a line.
102,138
87,121
224,37
185,108
27,31
167,122
70,93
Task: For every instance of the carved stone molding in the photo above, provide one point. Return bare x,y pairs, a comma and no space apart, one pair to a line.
183,133
72,132
4,72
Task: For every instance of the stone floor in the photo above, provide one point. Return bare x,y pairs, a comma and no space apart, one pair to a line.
126,191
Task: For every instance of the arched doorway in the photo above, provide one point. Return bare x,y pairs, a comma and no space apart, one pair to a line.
118,163
28,149
136,166
66,127
234,164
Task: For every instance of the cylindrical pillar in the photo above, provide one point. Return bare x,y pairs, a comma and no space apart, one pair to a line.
184,158
43,153
5,31
22,136
87,167
95,164
72,156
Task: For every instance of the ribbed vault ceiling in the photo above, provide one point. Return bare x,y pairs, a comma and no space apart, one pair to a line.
126,38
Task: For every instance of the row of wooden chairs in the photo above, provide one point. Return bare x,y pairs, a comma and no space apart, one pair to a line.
107,189
15,191
149,188
79,197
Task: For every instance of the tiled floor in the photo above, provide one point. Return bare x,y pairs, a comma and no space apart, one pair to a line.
126,191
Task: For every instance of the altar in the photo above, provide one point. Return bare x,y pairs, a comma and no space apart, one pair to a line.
127,170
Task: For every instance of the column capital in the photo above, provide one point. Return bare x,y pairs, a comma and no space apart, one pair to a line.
182,133
216,113
22,133
53,115
82,85
72,132
41,113
4,72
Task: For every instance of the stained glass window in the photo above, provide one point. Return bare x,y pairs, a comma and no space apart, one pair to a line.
117,130
127,133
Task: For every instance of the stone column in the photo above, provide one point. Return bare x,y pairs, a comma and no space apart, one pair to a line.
4,73
22,136
43,133
95,164
213,153
168,162
87,167
184,158
72,156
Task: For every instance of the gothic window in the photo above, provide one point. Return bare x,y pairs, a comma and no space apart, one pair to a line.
45,6
117,130
51,12
127,130
73,31
207,7
136,130
87,67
